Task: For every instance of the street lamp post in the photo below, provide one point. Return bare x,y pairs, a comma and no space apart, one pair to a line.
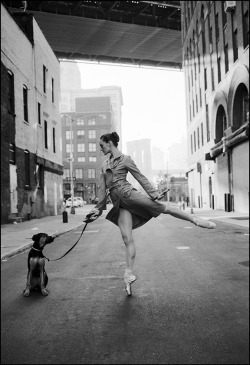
72,210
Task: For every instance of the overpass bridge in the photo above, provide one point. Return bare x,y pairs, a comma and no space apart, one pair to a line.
139,33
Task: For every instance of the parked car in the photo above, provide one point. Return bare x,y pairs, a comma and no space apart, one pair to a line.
81,202
68,203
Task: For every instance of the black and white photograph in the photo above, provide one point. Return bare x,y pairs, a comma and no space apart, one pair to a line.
124,182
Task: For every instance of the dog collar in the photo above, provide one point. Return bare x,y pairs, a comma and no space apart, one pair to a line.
36,249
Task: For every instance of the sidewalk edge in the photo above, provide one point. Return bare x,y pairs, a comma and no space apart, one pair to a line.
20,250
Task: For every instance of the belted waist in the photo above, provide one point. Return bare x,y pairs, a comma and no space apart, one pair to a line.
115,185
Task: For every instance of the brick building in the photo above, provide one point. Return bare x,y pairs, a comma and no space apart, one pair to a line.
93,118
31,154
216,66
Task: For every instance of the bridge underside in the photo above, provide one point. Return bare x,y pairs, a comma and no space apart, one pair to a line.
140,33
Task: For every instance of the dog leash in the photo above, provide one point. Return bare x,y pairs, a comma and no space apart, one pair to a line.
70,248
87,220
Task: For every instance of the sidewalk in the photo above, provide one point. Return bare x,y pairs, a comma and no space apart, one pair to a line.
16,238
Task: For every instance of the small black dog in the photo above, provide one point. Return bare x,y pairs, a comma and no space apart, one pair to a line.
37,277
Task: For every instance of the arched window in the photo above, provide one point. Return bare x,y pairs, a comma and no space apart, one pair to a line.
240,106
221,123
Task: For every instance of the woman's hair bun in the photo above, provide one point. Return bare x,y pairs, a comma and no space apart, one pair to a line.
115,136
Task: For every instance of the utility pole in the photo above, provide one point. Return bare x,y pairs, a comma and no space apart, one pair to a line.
72,210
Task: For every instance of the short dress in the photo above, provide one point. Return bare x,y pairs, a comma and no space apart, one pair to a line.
124,195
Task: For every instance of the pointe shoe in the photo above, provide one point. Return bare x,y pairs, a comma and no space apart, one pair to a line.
203,223
129,279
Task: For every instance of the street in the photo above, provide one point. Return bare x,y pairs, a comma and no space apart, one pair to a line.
190,304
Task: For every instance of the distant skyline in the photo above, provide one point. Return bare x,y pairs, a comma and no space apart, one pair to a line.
153,101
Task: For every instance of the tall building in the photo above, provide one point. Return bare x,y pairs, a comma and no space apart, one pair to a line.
71,89
82,130
31,149
216,65
140,151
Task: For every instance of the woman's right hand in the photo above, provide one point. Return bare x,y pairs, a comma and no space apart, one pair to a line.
93,214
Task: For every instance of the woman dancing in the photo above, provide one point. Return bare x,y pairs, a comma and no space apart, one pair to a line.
131,209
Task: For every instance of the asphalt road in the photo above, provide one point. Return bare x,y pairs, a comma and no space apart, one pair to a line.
190,304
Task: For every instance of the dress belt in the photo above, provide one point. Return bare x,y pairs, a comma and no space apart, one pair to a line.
116,185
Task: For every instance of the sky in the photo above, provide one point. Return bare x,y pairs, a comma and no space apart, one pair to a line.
153,101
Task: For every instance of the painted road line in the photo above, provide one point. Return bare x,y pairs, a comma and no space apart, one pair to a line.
183,248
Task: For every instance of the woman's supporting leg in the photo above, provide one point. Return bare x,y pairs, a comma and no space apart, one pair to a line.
125,224
177,213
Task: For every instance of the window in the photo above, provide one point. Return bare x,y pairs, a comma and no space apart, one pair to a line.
68,134
25,103
224,14
235,45
80,159
226,58
54,140
194,141
200,98
217,29
205,78
12,150
80,121
191,137
11,95
44,79
198,138
91,121
79,174
211,39
92,134
27,168
219,69
91,173
39,113
245,29
80,133
80,147
52,88
66,173
202,136
92,147
92,159
212,74
68,148
45,134
207,124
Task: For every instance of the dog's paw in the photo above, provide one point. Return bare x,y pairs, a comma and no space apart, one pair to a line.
26,293
44,292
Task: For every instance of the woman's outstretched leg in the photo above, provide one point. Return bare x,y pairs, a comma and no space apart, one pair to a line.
177,213
125,224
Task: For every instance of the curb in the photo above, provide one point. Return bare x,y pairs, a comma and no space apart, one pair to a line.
22,249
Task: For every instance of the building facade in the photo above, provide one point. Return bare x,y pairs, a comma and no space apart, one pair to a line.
31,149
71,90
216,65
82,130
140,151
